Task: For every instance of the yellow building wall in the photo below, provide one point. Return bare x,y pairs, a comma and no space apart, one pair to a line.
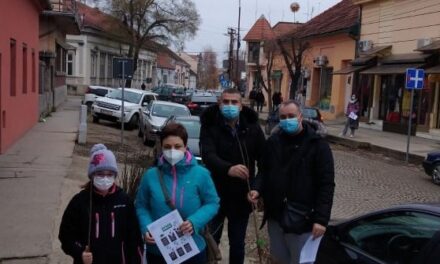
400,23
339,49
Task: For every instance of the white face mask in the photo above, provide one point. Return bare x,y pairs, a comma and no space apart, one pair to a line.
173,156
103,183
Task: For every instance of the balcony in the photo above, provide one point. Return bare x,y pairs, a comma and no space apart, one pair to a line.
65,13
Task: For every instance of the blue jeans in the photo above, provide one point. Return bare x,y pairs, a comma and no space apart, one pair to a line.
237,225
158,259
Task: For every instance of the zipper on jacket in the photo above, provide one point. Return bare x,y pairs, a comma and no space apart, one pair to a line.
182,191
113,224
97,225
123,253
174,173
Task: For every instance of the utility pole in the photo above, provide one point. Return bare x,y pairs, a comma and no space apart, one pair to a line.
237,64
231,33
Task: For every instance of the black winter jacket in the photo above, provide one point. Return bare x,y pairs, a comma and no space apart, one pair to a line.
299,168
115,234
220,151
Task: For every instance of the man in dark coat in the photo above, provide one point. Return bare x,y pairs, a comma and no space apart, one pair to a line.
298,169
231,142
259,98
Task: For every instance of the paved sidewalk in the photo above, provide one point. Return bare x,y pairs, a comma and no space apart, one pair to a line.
386,142
31,174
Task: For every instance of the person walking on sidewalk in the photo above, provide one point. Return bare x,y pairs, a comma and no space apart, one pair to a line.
260,100
352,114
232,143
296,182
99,225
190,190
252,97
276,100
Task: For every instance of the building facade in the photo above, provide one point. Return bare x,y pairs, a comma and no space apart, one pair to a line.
90,61
55,23
400,35
19,78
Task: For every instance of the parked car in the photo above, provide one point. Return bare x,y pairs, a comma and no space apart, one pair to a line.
310,114
154,117
432,166
109,107
171,93
397,235
201,101
192,125
94,92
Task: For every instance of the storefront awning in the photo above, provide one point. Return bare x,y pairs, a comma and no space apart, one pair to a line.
390,69
376,51
350,69
65,46
433,70
406,58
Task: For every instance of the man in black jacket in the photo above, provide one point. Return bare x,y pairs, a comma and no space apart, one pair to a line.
231,143
298,170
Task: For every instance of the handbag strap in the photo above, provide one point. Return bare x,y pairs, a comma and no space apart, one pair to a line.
165,191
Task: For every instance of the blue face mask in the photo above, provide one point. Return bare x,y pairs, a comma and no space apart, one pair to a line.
230,111
289,125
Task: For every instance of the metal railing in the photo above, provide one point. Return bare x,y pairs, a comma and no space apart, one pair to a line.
64,6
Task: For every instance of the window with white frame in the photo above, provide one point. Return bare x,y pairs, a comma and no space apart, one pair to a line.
69,62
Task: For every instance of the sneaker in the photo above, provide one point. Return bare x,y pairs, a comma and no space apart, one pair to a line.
352,136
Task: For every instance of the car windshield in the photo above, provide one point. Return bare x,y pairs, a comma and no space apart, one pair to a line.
163,110
191,126
309,113
179,91
130,97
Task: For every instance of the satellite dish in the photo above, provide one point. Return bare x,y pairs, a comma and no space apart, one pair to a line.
294,7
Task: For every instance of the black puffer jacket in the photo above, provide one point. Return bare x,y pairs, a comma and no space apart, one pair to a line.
115,231
300,168
220,151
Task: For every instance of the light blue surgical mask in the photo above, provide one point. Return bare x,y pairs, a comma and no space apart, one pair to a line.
290,125
230,111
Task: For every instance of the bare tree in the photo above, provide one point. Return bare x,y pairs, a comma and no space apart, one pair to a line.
270,50
208,69
292,50
163,21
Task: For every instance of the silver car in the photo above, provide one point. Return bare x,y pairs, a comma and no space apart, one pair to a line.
154,117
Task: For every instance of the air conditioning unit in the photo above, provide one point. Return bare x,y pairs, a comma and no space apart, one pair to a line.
365,45
321,60
423,42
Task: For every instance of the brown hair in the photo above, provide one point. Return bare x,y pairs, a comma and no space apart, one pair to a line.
174,129
231,91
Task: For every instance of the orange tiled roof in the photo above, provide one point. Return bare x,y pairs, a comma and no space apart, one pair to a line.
282,28
261,30
341,17
164,61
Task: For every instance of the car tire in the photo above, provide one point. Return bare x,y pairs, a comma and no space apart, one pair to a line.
95,119
134,120
436,174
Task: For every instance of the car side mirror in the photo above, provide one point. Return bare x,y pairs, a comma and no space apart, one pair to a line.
144,103
146,111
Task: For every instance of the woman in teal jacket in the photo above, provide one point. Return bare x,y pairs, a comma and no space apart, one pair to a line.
189,186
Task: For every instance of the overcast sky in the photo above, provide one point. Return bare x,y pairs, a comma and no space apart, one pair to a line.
218,15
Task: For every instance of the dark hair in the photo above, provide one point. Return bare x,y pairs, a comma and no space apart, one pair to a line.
174,129
294,102
231,91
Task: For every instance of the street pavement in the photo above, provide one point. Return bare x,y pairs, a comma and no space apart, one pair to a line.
37,176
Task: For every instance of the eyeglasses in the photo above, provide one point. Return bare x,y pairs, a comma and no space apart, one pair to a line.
233,102
288,116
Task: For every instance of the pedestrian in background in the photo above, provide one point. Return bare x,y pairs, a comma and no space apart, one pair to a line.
143,86
252,97
260,100
296,182
189,187
232,142
276,100
352,115
108,233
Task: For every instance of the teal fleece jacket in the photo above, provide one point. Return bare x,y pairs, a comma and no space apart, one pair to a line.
191,189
